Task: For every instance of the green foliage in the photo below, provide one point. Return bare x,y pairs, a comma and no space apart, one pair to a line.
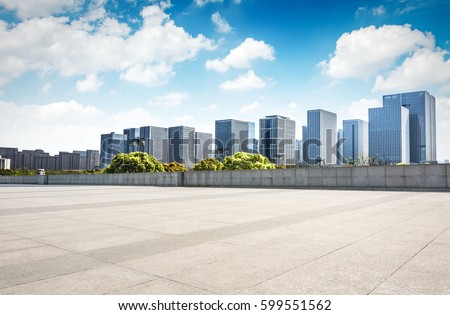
17,172
208,165
280,166
135,162
247,161
174,167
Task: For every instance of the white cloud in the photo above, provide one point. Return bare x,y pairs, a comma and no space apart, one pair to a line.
242,56
293,106
360,109
210,107
443,127
183,119
379,10
246,81
237,1
46,88
250,108
220,23
41,8
364,52
424,69
94,44
90,84
79,126
2,92
201,3
171,99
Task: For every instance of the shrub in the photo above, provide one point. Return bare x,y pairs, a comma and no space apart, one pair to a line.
208,165
135,162
247,161
174,167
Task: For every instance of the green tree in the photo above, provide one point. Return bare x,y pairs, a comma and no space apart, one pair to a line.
247,161
174,167
208,165
135,162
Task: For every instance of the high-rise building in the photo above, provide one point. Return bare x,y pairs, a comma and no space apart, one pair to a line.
203,146
181,145
234,136
389,133
277,139
298,151
320,145
422,123
155,141
356,139
69,161
132,140
5,164
89,159
111,144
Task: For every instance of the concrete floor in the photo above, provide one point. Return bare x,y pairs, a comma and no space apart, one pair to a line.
153,240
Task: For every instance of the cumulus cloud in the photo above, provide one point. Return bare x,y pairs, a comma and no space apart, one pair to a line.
220,23
360,109
170,99
95,43
201,3
250,108
91,83
364,52
246,81
41,8
424,69
379,10
242,56
79,126
46,88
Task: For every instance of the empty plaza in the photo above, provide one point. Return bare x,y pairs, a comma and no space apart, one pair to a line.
179,240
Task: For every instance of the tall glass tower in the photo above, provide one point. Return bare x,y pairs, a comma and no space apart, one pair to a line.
277,139
182,145
110,145
132,142
422,123
321,132
389,133
234,136
356,139
155,142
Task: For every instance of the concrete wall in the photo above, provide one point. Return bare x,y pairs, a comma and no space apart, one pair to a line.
411,177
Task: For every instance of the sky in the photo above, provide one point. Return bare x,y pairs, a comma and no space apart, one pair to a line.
71,70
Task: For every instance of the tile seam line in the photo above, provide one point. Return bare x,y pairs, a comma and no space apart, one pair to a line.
407,261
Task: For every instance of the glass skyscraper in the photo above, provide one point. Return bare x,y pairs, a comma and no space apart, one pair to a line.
356,139
234,136
132,141
389,133
182,145
321,137
422,123
277,139
155,142
203,146
110,145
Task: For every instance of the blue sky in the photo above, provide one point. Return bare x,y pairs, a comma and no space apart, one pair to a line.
73,69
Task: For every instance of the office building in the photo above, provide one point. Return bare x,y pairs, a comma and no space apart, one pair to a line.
132,140
111,144
234,136
181,145
5,164
277,139
298,152
356,140
155,141
89,159
389,133
320,145
204,146
422,123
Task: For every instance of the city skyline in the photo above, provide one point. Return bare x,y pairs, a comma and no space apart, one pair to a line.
229,59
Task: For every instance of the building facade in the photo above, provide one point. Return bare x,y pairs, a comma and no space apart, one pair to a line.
422,123
111,144
356,140
182,145
234,136
320,145
5,164
204,146
155,141
277,139
132,140
389,133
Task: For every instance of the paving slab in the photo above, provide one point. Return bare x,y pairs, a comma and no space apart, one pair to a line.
200,240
